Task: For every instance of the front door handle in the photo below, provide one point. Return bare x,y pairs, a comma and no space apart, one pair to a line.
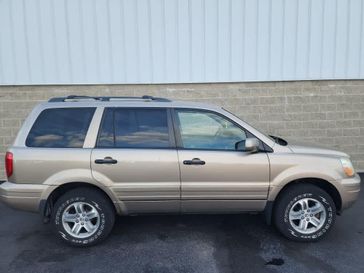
106,160
195,161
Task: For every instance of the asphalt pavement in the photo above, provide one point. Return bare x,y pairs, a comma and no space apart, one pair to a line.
188,243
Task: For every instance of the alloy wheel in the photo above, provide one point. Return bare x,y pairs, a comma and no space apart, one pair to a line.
307,215
81,219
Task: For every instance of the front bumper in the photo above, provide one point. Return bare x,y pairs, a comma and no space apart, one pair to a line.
22,196
350,189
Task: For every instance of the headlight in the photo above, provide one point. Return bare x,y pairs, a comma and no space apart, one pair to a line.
347,167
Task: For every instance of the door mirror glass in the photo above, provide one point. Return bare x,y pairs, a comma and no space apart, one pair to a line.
247,145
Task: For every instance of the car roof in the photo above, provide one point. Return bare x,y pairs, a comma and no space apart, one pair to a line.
144,101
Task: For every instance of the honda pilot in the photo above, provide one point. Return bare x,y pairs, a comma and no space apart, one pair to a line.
80,161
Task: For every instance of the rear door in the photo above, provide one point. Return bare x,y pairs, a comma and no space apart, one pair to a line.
214,175
135,154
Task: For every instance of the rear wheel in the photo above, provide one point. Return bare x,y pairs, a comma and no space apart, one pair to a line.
83,217
304,213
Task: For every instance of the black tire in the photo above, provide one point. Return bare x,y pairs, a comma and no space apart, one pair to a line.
288,199
93,197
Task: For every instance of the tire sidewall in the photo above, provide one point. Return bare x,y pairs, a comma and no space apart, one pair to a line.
329,221
57,221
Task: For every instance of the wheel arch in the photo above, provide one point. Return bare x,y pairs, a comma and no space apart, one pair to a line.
319,182
46,205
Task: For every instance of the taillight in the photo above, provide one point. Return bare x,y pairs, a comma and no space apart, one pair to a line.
9,167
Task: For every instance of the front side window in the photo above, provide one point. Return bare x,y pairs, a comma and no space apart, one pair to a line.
60,128
134,128
207,131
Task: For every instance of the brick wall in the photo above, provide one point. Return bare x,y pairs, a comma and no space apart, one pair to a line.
327,112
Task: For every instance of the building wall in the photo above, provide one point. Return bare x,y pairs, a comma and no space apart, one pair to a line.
327,112
179,41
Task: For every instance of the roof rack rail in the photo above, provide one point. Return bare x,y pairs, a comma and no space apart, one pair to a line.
87,98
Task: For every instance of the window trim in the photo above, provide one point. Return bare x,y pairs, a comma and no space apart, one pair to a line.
171,134
176,125
60,108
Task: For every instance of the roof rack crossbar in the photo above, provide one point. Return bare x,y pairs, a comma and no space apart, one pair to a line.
79,98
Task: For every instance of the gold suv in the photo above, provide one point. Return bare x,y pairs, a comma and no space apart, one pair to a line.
80,161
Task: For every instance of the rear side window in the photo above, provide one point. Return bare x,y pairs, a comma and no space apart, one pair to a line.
134,128
60,128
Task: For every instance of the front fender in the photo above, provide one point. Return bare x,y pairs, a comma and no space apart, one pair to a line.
286,168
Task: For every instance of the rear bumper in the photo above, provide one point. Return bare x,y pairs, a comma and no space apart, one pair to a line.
350,189
21,196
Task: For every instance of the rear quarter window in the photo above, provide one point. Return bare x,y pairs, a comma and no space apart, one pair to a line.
60,128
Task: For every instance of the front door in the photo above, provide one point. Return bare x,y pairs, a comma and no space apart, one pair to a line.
135,155
214,175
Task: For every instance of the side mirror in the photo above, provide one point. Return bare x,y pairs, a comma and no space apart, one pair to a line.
248,145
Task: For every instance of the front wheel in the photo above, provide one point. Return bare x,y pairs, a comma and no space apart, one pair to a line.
304,213
83,217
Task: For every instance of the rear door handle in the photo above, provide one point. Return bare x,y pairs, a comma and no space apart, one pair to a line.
106,160
195,161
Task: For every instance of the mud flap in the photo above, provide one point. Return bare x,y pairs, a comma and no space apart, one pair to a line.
268,212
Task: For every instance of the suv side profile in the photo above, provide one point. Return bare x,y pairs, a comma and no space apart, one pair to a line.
80,161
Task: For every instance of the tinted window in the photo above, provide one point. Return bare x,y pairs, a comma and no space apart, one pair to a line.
134,128
60,128
206,130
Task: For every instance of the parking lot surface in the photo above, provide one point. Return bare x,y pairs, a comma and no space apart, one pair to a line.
189,243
